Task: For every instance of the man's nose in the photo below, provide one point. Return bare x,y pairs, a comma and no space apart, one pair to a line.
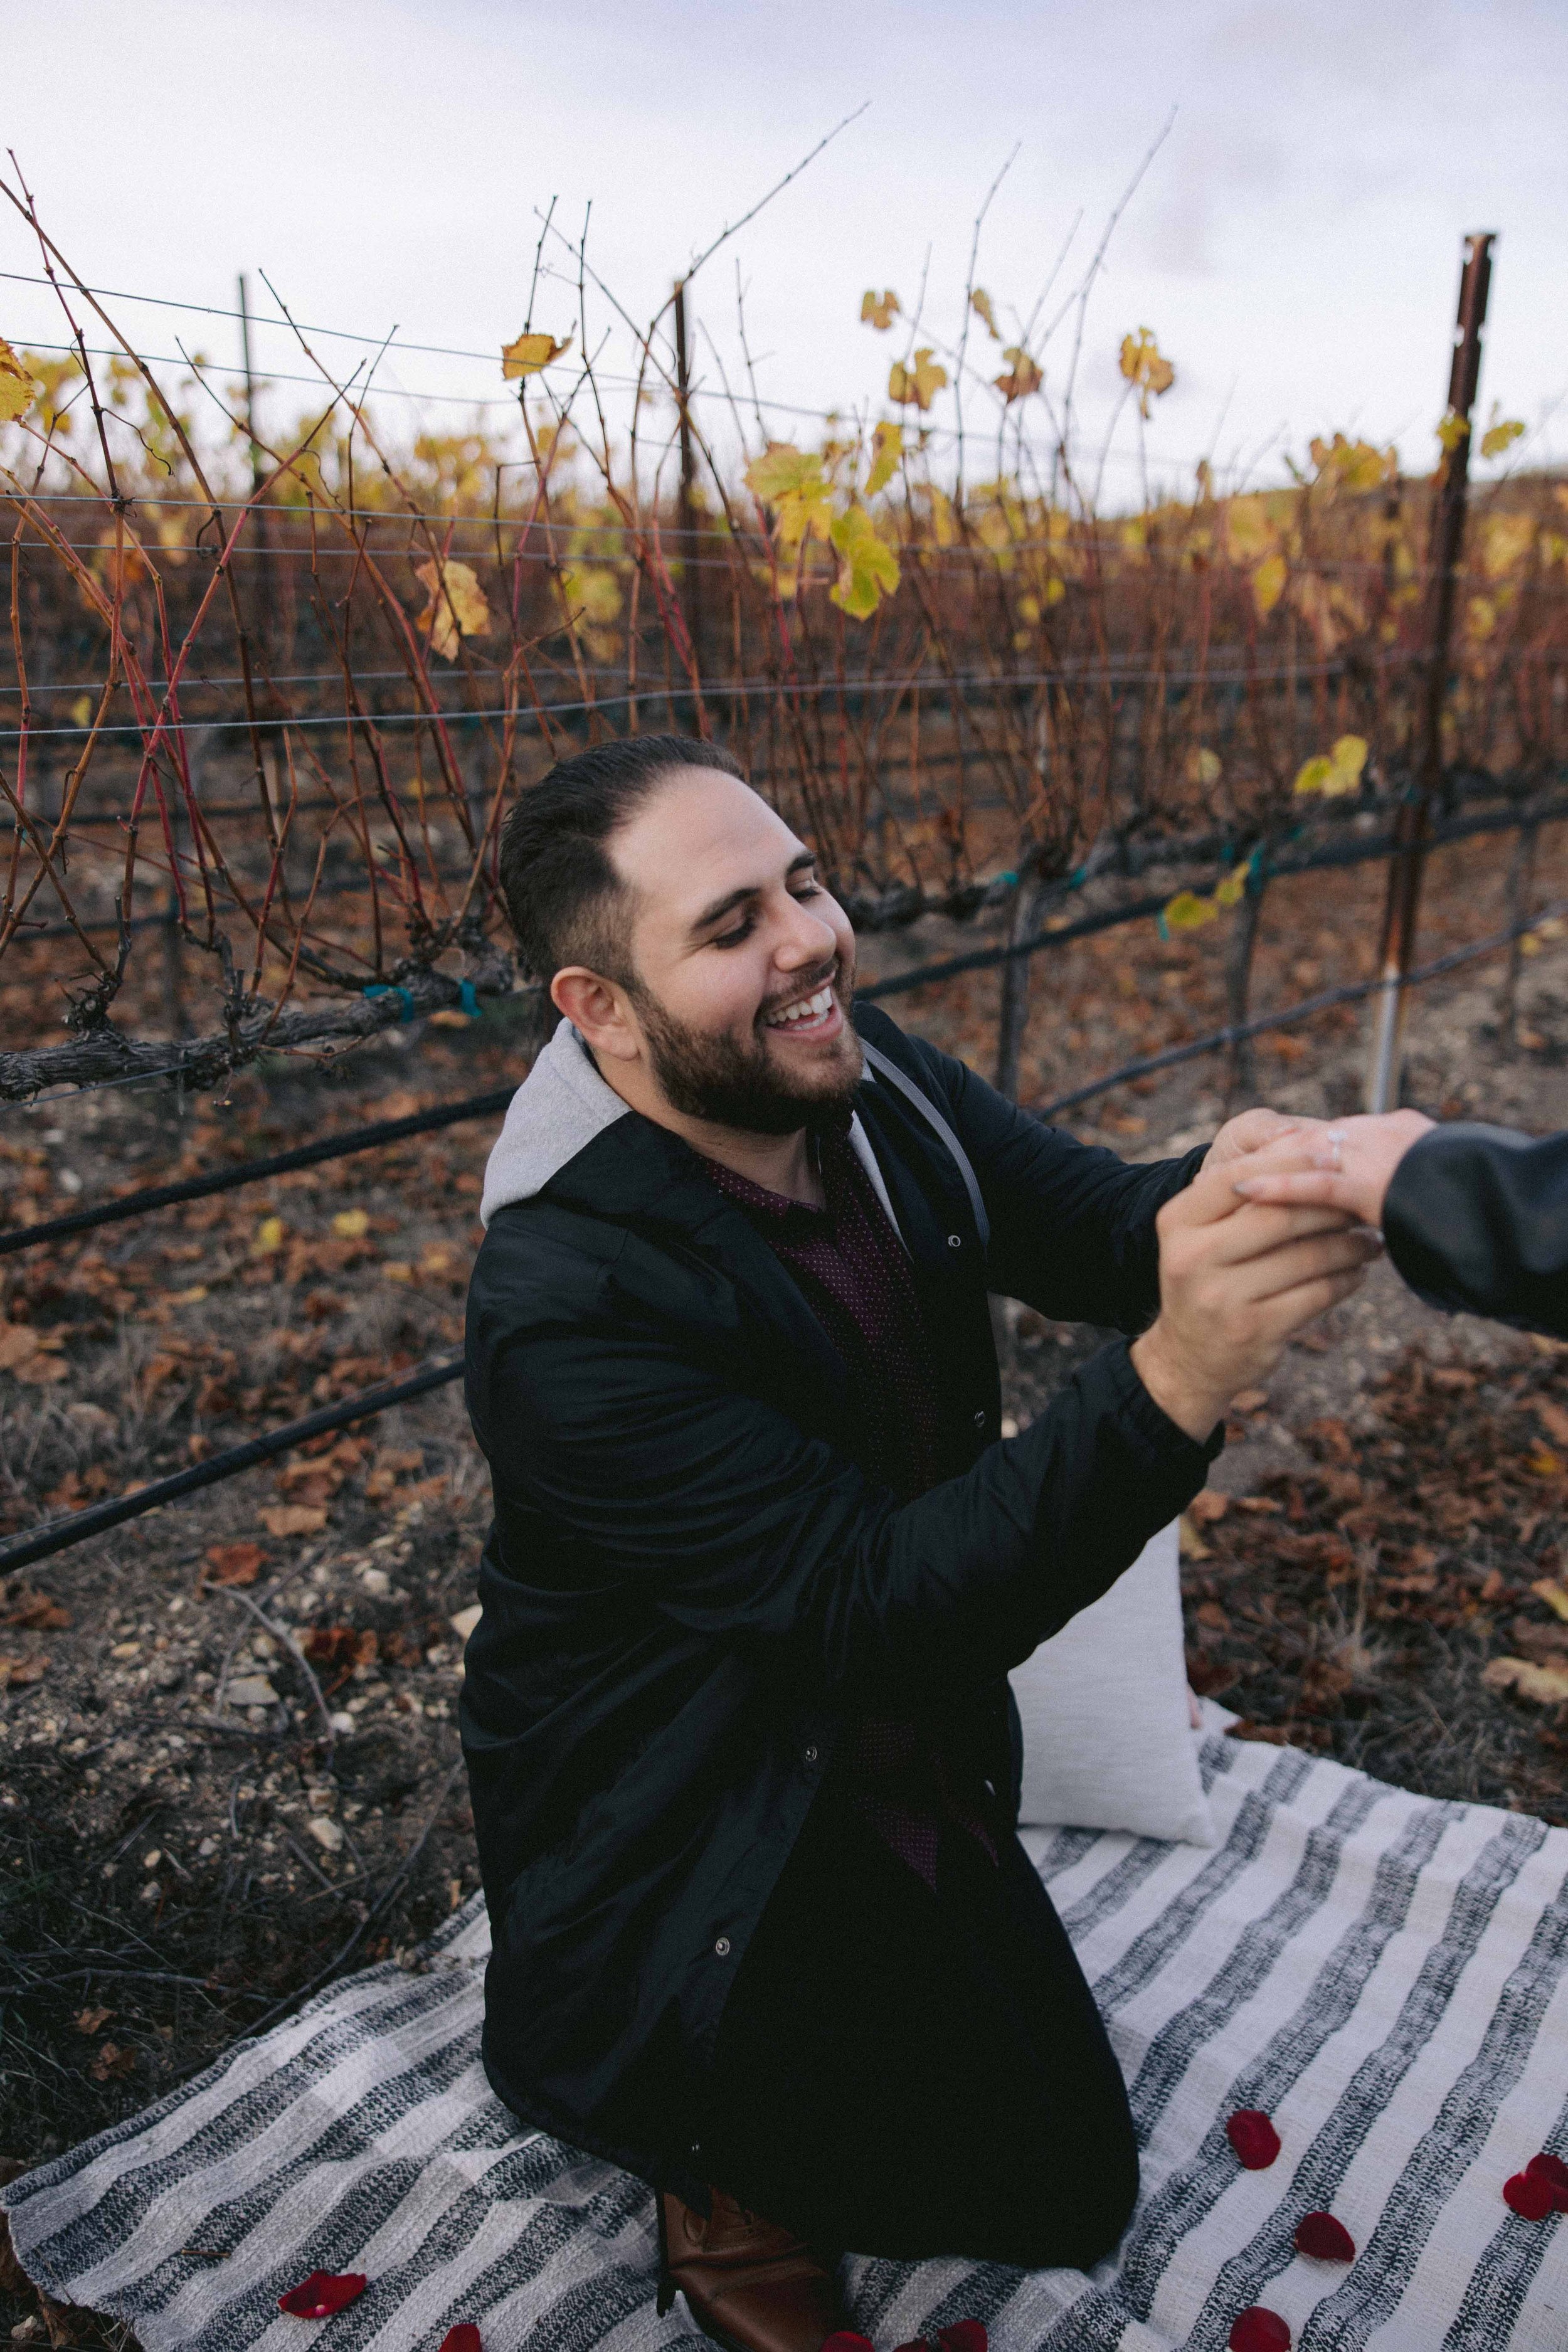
806,939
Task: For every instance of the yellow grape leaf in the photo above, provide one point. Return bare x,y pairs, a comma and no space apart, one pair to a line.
81,710
887,449
1508,541
593,592
879,310
1188,912
1248,532
1143,365
1349,759
1553,547
1498,438
1481,617
1556,1600
532,353
1544,1464
918,384
269,1237
457,608
979,302
868,568
1451,431
1233,889
1269,585
16,385
791,482
1353,465
1203,767
351,1224
1023,376
1333,773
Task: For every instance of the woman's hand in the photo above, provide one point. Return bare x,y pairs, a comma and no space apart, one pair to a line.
1352,1161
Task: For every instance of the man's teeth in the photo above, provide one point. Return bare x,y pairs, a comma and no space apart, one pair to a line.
810,1008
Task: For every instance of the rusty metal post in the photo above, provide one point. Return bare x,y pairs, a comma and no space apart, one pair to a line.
1403,900
692,567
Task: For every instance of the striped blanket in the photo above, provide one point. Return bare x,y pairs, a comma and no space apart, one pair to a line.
1385,1976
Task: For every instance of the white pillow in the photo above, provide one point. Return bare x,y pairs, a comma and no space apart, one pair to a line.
1108,1736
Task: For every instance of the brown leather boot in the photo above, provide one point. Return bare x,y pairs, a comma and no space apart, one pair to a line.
748,2284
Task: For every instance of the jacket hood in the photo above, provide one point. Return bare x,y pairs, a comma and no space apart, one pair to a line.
560,1107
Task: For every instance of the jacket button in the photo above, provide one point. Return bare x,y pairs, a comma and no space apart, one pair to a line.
723,1948
811,1756
955,1241
980,1420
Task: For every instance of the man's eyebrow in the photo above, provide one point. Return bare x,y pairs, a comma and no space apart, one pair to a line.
733,899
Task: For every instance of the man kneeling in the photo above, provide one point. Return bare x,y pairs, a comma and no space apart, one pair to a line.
743,1757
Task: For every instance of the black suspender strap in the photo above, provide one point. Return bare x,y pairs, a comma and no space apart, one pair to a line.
927,1110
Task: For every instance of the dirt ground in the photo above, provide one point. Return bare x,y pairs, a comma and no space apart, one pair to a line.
228,1752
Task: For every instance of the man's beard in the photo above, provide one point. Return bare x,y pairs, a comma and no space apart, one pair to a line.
728,1082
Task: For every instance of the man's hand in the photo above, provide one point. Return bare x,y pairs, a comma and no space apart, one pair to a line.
1237,1279
1350,1165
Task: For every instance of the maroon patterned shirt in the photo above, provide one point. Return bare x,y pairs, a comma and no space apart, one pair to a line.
854,1276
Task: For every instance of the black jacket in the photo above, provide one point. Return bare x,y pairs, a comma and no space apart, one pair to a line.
1477,1217
688,1578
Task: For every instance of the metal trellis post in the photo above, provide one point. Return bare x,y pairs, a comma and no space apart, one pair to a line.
1402,899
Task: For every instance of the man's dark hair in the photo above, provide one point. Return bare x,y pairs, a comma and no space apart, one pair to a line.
567,903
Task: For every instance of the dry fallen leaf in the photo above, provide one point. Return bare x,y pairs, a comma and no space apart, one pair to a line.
1556,1600
349,1224
293,1519
17,1343
111,2060
36,1612
234,1563
1190,1544
91,2021
1208,1507
1552,1419
1546,1685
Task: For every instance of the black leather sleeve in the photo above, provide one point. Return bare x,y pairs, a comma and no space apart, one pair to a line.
1476,1218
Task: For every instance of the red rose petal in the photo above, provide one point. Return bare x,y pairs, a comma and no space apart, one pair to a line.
1258,2330
321,2294
963,2336
1254,2138
1555,2173
844,2339
464,2337
1328,2240
1530,2196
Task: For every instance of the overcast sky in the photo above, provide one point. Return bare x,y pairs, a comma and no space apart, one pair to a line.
1294,244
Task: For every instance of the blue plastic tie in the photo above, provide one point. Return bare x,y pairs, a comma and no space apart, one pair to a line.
384,988
467,999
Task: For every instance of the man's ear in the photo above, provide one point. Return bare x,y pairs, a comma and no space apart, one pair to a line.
598,1010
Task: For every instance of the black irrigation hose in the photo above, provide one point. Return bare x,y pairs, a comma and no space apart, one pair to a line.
1109,918
1350,992
252,1172
59,1535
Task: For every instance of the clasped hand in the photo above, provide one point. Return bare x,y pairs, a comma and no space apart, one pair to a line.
1238,1275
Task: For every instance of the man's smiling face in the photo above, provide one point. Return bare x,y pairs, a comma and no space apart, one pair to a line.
744,965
